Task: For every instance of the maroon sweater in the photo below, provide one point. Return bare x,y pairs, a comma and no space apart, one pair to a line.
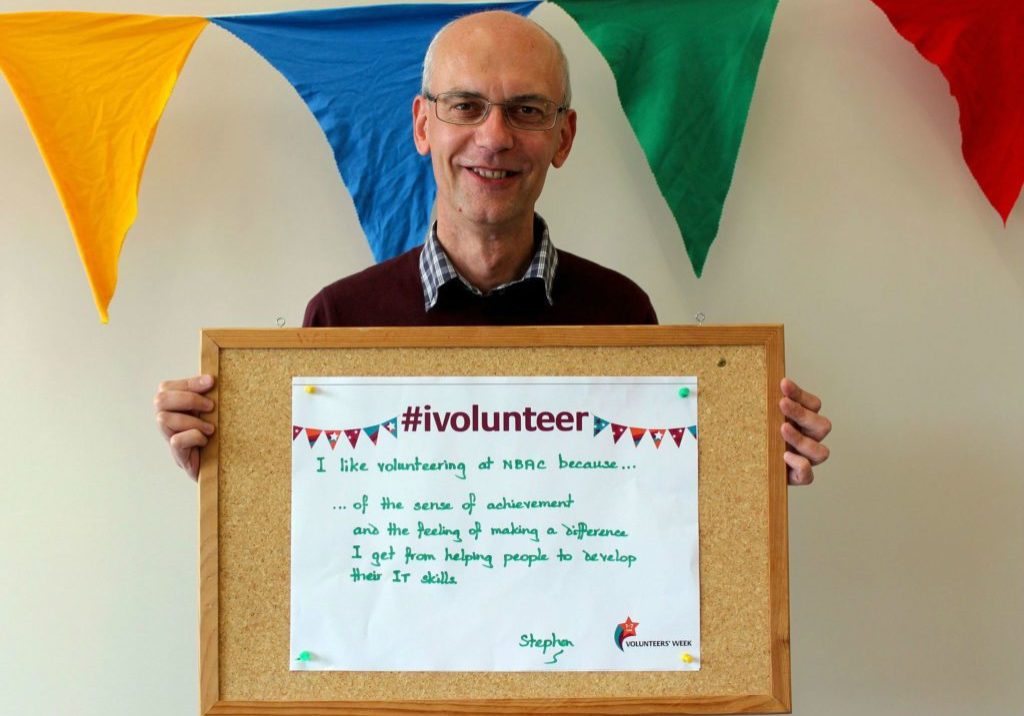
390,294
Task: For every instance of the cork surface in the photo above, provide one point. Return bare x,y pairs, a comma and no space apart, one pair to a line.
253,481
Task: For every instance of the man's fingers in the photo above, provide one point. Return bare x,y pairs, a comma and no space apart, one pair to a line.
184,449
815,425
195,384
172,423
799,470
183,401
813,450
805,398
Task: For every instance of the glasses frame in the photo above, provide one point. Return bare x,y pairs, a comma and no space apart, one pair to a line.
559,109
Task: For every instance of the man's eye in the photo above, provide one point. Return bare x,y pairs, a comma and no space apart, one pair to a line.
527,110
466,107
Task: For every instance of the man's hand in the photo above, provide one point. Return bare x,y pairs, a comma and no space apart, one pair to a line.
803,432
178,404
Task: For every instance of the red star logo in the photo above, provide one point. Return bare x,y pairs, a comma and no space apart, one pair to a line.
629,628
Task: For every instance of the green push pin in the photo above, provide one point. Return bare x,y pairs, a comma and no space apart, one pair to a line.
684,392
305,656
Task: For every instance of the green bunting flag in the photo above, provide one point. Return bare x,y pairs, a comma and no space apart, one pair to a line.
685,71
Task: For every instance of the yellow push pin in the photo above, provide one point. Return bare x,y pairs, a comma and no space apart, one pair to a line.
687,658
310,389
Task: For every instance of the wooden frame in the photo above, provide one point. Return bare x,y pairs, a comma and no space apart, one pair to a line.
752,357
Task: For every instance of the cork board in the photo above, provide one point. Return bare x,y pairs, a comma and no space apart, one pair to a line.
245,483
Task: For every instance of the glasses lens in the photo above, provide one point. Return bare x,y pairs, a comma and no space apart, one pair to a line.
459,108
531,114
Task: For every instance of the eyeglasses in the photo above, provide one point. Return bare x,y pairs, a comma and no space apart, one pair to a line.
533,113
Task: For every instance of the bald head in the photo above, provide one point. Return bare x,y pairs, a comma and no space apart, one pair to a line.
532,38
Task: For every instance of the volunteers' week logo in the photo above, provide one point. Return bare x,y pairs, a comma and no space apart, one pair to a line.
625,630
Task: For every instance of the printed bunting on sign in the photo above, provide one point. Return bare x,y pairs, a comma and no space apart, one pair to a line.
332,437
685,73
372,431
617,431
638,434
352,434
93,87
358,69
979,47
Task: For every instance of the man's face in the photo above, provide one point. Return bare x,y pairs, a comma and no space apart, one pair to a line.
490,175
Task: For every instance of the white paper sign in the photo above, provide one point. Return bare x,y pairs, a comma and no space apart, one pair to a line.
482,524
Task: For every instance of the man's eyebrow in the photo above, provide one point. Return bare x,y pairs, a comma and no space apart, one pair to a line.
514,98
528,97
463,92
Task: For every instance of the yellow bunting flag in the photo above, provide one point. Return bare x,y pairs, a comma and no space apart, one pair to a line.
93,87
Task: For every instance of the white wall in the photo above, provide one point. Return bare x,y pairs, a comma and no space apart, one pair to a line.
852,219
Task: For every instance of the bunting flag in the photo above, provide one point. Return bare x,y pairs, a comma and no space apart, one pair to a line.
656,435
332,437
685,73
677,435
358,70
617,431
93,87
599,424
693,431
638,435
391,426
979,47
296,431
372,431
353,435
313,434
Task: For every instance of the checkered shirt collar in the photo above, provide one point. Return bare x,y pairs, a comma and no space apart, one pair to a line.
436,269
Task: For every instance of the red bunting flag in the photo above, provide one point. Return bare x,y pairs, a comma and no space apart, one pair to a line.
332,437
353,435
313,434
638,434
656,435
296,430
677,434
979,47
617,431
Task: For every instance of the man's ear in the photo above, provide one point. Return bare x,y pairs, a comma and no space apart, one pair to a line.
420,109
566,133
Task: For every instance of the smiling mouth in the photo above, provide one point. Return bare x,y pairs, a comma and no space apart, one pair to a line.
491,173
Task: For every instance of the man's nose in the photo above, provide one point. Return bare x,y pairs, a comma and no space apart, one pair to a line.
494,133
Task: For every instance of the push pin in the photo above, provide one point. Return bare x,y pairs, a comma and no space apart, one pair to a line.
305,656
687,658
684,392
310,389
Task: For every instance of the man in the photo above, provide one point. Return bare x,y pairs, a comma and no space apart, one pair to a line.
493,115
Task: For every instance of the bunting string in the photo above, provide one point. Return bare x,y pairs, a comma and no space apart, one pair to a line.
639,433
93,87
333,435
